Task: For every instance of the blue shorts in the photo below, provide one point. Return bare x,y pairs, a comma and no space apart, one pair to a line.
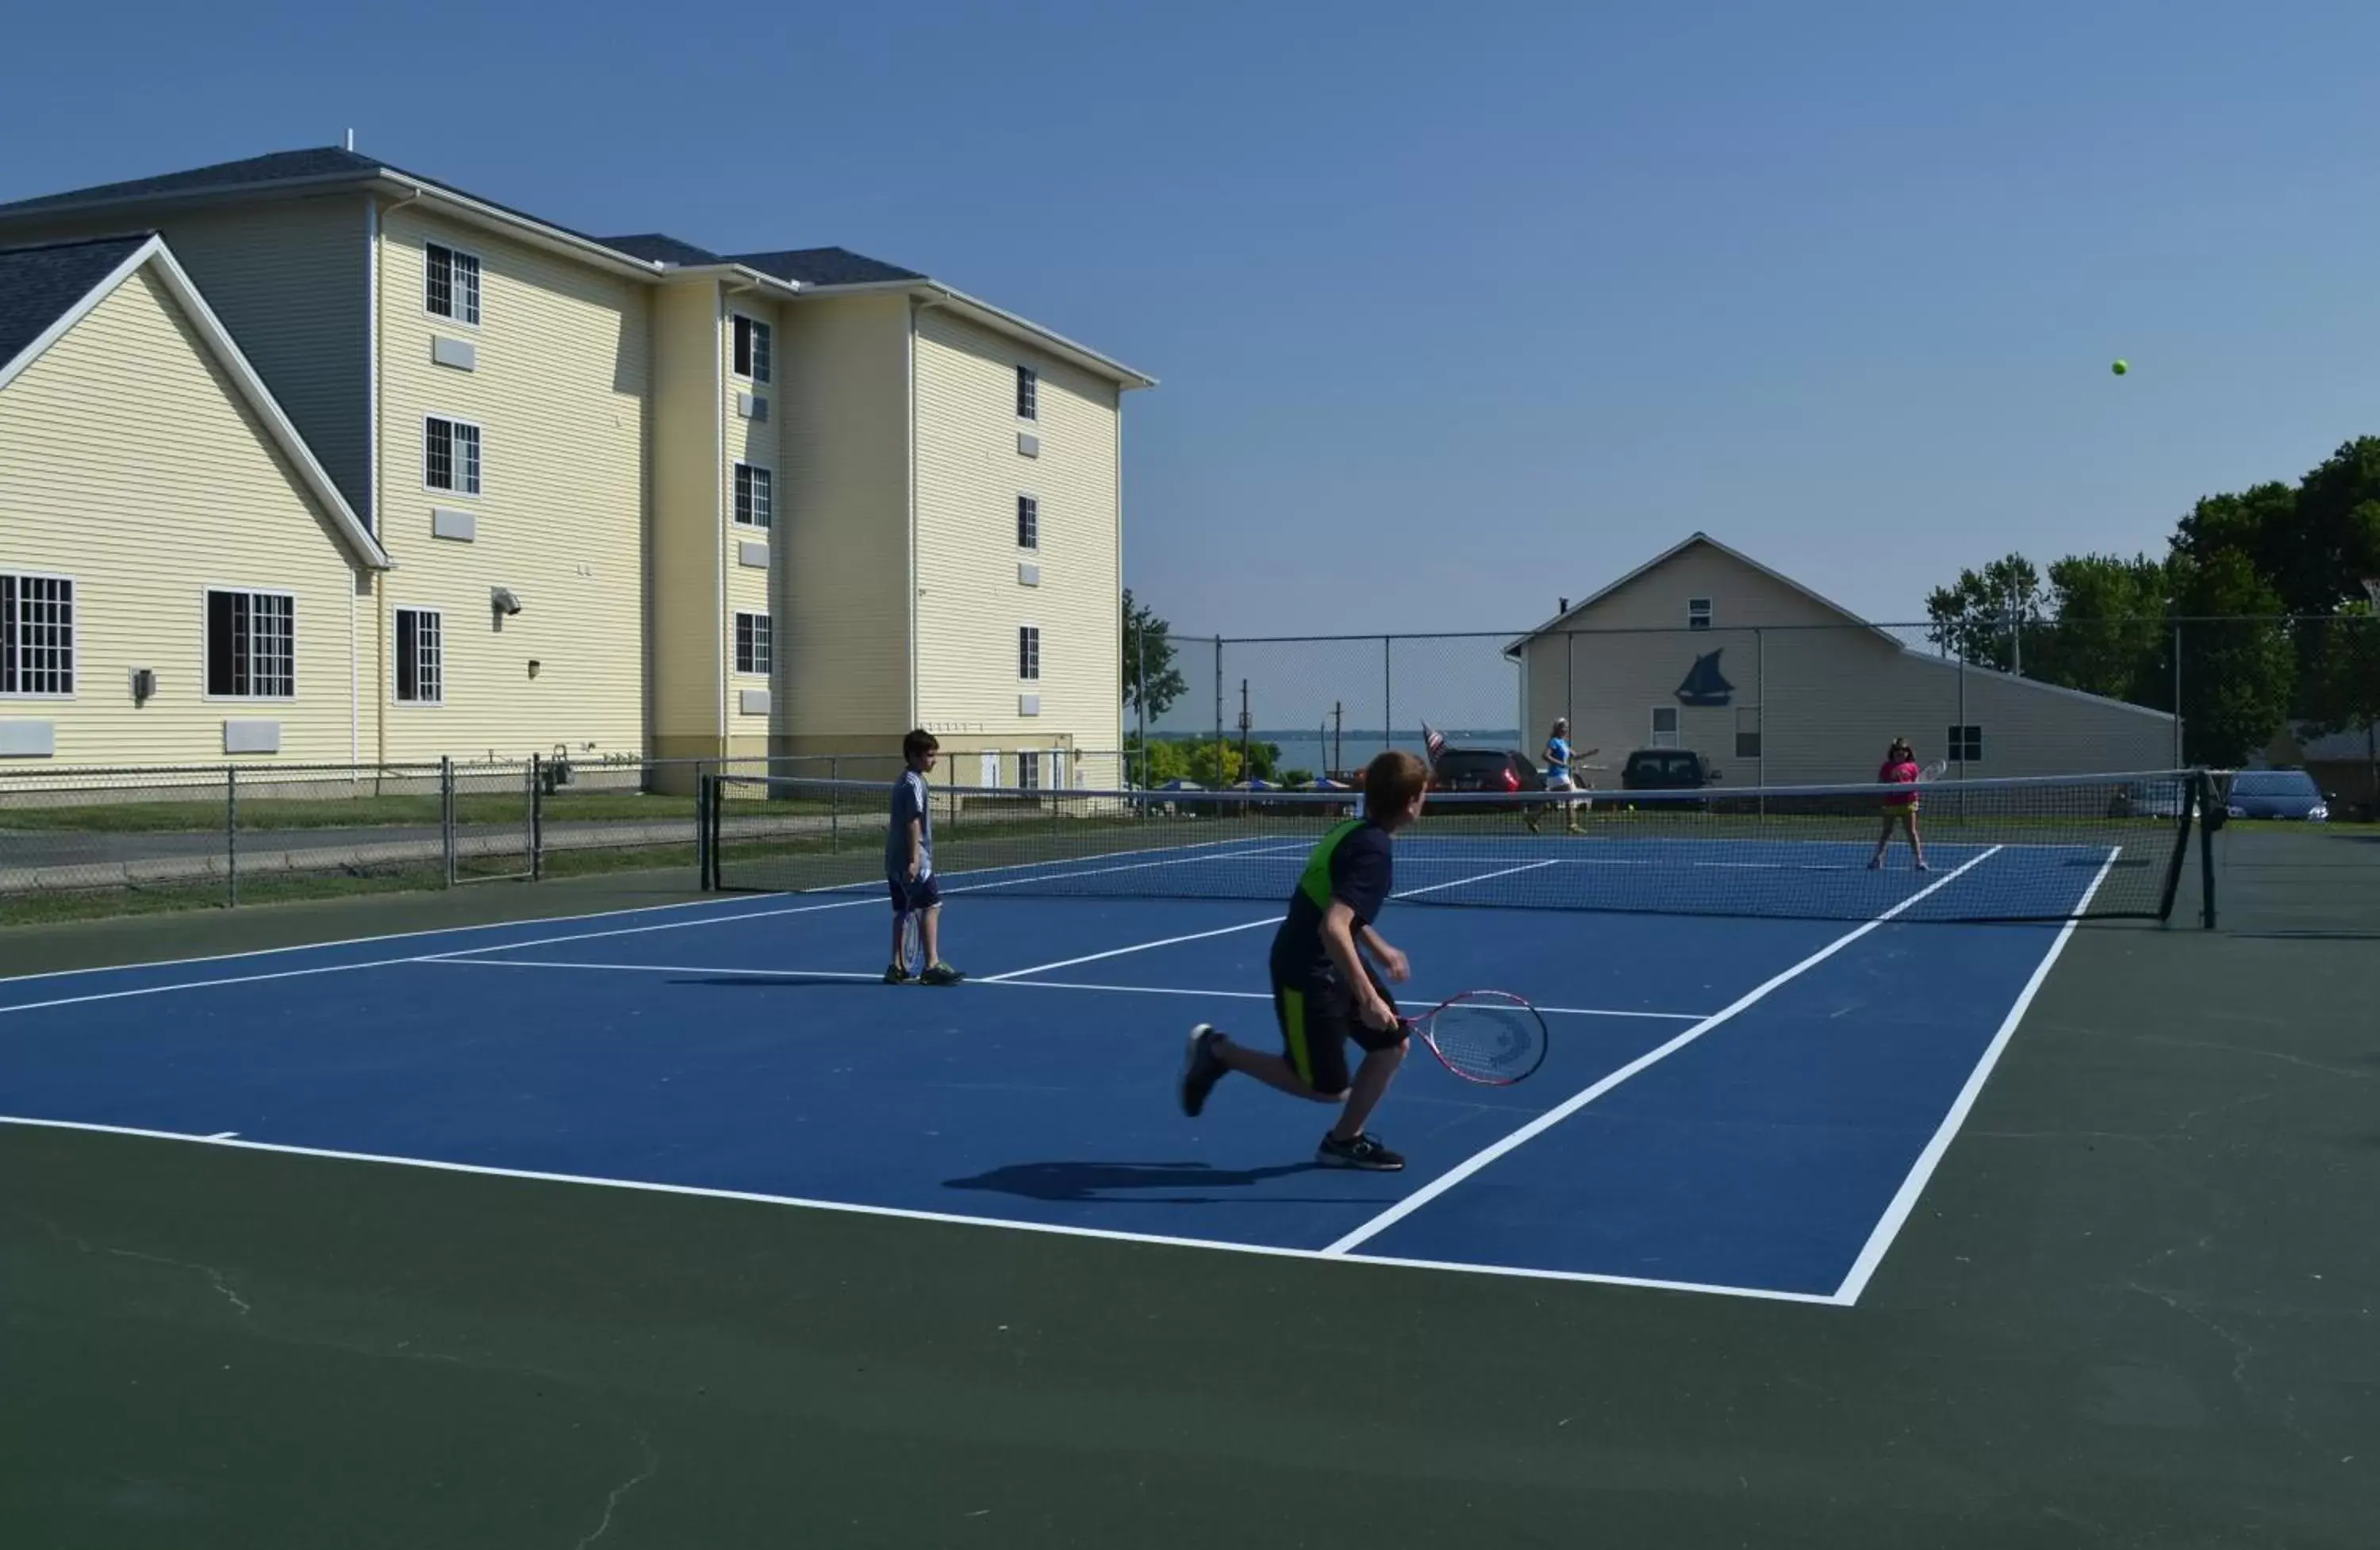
923,894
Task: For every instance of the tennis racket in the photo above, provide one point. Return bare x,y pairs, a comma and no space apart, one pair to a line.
1935,771
1490,1036
910,945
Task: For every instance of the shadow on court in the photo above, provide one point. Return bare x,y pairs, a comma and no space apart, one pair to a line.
1092,1180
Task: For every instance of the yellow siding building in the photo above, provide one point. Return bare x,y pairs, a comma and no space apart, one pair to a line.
643,500
182,582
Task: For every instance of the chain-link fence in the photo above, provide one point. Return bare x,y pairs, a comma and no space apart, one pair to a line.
1792,704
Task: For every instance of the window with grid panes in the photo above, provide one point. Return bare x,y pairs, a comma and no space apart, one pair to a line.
252,644
36,635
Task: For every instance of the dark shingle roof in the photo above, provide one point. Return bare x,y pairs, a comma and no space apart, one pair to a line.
39,286
825,266
281,167
661,248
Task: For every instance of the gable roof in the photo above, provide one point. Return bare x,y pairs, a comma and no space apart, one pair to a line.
649,255
827,267
1655,563
99,267
39,285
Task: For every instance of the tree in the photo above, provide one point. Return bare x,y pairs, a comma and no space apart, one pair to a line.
2108,635
2317,560
1973,617
1151,682
2239,665
2342,691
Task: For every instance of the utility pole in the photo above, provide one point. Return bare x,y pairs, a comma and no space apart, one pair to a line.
1338,734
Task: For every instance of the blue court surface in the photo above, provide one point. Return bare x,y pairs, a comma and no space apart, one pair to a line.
1746,1106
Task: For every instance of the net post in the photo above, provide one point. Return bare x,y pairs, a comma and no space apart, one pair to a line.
535,816
706,863
231,835
834,804
2189,807
446,816
2208,824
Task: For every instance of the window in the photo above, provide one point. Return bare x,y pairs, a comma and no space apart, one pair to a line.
252,644
751,348
1028,522
450,456
1966,745
452,288
1029,771
1698,613
754,651
1029,653
1665,726
420,657
36,635
1028,394
755,498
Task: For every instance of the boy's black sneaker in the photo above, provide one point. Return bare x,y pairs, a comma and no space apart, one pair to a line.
898,974
1201,1069
1364,1152
939,974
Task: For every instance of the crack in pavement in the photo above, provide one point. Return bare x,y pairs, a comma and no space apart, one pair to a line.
221,1282
652,1463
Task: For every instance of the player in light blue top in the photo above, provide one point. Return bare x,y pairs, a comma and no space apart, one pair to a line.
1558,776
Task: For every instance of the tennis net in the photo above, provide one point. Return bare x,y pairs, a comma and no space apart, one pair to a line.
2048,849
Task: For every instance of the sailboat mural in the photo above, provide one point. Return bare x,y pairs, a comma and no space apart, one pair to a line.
1703,684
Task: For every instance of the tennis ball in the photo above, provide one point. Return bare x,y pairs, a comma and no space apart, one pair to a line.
2120,368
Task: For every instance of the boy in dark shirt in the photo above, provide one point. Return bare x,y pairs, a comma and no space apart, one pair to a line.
1323,991
909,866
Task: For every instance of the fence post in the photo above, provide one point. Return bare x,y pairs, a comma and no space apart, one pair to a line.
834,805
1760,693
1140,705
231,834
1388,692
2177,695
535,816
1218,711
446,815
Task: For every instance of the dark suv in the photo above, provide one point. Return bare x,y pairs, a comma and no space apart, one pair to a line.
1484,770
1666,770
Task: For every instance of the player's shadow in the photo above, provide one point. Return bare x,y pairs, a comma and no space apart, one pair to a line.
1098,1181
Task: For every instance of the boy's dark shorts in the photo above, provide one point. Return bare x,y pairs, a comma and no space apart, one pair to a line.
1317,1021
925,893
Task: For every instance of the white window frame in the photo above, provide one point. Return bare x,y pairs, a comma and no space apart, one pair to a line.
1028,770
1024,498
755,496
759,633
1028,653
73,622
1963,735
1698,613
480,458
761,352
1028,394
1655,737
478,285
436,661
206,644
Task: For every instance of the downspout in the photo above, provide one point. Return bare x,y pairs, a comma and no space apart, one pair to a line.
381,626
718,316
917,305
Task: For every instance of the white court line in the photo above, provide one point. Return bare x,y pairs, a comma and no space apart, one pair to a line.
1272,919
549,941
1579,1100
1004,984
1888,1226
849,1208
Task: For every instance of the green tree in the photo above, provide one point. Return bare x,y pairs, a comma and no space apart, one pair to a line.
1978,617
2342,691
1151,681
2239,664
2107,633
2318,557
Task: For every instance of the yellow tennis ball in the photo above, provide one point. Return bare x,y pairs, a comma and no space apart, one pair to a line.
2120,368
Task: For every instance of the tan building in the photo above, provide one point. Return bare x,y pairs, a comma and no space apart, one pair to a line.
1706,649
645,499
182,582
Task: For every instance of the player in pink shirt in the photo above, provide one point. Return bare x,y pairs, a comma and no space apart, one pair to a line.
1899,770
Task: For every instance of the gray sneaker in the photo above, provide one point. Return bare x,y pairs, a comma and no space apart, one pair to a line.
1201,1069
1364,1152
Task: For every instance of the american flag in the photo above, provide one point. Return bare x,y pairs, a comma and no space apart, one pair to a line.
1433,740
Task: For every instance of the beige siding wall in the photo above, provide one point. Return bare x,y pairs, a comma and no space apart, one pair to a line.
841,547
289,278
1825,702
756,442
558,391
687,366
971,601
145,499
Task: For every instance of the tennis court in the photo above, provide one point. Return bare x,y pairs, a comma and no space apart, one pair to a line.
672,1225
1743,1103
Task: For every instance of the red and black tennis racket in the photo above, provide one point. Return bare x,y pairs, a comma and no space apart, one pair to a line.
1492,1037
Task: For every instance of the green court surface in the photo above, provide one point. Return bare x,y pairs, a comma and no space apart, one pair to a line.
2139,1304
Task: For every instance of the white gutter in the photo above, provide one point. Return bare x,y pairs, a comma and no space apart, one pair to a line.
718,516
911,370
1003,322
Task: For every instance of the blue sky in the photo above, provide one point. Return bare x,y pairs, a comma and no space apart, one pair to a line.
1456,308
